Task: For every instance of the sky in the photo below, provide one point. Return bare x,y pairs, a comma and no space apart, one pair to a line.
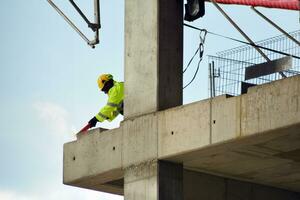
48,83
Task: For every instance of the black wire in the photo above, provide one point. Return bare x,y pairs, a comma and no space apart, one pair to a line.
201,51
254,45
188,65
194,75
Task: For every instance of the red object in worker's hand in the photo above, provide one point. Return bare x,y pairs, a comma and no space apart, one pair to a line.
84,129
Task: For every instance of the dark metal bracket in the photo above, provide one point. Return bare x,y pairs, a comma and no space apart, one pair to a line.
94,26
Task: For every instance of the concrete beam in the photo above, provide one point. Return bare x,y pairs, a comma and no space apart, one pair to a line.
140,140
183,128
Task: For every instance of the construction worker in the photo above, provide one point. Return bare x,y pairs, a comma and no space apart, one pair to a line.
114,106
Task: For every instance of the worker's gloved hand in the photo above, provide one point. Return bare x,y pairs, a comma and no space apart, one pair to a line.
93,122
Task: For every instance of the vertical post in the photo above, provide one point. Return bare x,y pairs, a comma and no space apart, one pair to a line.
210,80
155,180
170,55
213,79
153,56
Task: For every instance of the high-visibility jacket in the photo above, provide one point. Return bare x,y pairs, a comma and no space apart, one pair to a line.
114,104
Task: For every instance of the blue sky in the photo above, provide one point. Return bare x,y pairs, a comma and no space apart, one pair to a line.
48,83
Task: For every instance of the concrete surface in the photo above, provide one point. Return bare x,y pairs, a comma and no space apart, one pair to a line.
154,180
153,56
140,144
183,128
93,160
254,138
141,181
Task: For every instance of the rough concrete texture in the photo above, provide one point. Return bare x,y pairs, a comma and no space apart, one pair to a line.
253,137
225,120
140,140
141,52
141,181
271,106
93,160
154,180
183,128
153,56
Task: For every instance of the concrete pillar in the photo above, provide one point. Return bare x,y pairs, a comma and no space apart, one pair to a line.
153,55
154,180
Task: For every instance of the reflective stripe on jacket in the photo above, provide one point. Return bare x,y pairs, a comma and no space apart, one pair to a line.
114,104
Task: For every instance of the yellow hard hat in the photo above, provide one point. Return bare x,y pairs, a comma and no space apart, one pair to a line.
103,78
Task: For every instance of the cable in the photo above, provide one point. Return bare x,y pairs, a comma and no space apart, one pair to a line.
201,52
198,66
236,40
188,65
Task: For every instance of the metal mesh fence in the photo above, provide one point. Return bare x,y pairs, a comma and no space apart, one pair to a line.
227,68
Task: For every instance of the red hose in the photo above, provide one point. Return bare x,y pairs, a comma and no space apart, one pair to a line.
283,4
84,129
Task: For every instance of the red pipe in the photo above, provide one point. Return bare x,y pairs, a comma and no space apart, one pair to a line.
84,129
283,4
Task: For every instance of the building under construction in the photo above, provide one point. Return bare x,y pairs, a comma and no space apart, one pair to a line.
243,143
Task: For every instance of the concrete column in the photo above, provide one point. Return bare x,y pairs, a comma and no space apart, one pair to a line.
153,55
154,181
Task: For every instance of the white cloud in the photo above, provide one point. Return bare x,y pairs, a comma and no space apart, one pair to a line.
59,193
55,117
8,195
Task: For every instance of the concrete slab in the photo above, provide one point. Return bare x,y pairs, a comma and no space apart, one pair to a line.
271,106
86,163
241,159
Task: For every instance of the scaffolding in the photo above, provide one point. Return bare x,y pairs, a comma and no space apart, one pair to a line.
228,68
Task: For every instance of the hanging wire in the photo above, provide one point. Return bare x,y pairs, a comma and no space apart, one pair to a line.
202,36
240,41
188,65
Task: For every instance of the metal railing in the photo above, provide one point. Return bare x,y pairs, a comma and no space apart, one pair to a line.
227,68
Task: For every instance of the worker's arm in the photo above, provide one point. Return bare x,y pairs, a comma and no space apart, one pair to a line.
108,112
